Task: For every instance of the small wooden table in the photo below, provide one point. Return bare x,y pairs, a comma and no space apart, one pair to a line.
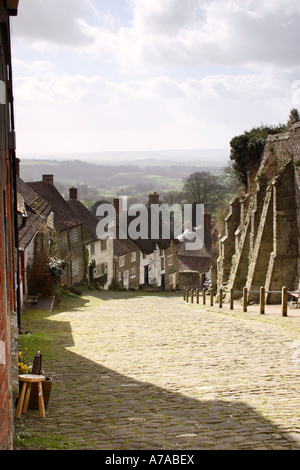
28,380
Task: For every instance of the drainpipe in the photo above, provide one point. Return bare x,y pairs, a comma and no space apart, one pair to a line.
12,153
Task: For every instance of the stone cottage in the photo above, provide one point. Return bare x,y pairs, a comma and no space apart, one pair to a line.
68,228
99,251
35,224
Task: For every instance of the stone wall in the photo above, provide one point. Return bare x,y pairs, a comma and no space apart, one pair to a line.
260,246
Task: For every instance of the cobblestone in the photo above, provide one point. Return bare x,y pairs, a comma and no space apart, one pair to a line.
133,371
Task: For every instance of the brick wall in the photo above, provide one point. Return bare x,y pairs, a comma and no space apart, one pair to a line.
7,252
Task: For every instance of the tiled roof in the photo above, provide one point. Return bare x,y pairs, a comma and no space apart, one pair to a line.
124,247
37,210
89,221
64,217
189,263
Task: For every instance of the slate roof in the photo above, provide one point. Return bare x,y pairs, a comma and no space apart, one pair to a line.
37,210
89,220
64,217
124,247
197,259
189,263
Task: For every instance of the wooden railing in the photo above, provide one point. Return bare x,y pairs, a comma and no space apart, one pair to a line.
208,294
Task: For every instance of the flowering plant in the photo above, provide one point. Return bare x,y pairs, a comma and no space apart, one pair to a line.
56,268
23,362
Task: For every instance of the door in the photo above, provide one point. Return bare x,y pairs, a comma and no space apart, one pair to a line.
126,280
146,275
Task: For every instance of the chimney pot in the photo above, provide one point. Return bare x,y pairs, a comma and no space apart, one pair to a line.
153,198
73,193
48,179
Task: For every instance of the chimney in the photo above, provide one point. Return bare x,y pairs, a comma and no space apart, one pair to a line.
207,221
73,193
48,179
153,198
117,206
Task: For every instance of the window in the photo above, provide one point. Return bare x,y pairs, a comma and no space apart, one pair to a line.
170,260
132,272
172,279
121,261
92,248
103,245
120,277
133,257
75,268
74,235
101,269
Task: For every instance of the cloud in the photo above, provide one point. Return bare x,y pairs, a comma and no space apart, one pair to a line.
53,22
81,114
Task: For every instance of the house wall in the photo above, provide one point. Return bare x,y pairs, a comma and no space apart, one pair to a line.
102,256
127,267
171,266
154,263
8,329
70,248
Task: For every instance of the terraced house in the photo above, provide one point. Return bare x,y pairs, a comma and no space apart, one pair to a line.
35,226
99,251
68,229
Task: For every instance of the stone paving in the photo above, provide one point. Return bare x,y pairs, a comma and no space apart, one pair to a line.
136,371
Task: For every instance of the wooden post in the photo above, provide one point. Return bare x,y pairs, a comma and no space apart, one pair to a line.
187,295
192,296
184,293
197,296
262,301
211,297
220,298
204,300
231,299
284,302
245,299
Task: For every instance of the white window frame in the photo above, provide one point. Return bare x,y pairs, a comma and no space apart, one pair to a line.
104,243
121,261
74,235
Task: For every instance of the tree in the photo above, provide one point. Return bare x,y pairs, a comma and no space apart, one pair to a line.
202,187
247,149
293,117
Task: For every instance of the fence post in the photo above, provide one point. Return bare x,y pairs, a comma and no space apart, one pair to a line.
211,297
184,289
284,302
192,296
220,298
262,301
245,299
204,300
197,296
231,299
187,295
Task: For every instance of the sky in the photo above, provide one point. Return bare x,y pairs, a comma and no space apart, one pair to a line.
141,75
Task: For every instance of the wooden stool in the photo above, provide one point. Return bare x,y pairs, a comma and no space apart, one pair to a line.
28,380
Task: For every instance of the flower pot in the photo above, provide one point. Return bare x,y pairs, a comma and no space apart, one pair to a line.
34,395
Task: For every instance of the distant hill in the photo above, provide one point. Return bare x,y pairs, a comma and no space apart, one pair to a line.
203,157
111,174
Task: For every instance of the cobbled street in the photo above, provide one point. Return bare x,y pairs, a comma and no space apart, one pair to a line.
133,371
